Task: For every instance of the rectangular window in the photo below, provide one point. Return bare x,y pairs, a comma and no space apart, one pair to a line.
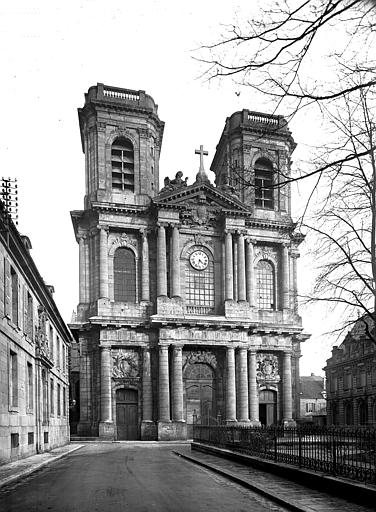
30,318
30,438
52,397
13,380
30,386
57,352
51,341
14,441
45,437
14,285
362,379
58,400
64,402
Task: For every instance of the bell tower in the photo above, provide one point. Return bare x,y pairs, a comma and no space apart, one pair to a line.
121,136
253,159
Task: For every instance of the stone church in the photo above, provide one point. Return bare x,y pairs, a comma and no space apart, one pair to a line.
187,294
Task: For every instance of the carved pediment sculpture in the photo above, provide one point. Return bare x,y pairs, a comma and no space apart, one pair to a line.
267,367
125,365
175,184
200,356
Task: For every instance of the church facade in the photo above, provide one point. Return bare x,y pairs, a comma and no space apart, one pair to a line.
188,295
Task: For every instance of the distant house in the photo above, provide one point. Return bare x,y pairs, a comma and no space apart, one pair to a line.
312,398
351,378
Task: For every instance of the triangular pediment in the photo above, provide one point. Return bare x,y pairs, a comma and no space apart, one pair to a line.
200,193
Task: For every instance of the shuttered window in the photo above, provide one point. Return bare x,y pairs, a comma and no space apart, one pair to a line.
124,275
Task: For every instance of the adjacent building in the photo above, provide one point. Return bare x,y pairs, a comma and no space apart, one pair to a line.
34,344
312,399
351,378
188,306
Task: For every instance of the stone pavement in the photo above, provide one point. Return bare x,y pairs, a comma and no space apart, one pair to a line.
13,471
292,495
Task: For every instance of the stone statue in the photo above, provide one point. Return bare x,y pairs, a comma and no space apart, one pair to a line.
175,184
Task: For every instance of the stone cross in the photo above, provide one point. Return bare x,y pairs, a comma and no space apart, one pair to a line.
202,153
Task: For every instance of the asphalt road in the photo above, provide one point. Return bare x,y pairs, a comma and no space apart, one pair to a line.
122,477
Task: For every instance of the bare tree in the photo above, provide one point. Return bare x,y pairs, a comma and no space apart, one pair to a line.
343,226
288,50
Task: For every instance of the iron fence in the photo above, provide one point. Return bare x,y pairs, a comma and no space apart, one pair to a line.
346,452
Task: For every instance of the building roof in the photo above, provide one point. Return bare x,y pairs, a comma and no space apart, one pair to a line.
311,387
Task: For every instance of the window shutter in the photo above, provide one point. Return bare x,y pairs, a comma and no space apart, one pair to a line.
25,311
7,289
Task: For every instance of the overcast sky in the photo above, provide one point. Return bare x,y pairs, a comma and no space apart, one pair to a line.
52,52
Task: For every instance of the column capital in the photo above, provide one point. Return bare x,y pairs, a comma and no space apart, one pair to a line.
164,346
177,348
286,245
102,227
250,240
144,232
228,231
81,236
241,232
294,254
163,225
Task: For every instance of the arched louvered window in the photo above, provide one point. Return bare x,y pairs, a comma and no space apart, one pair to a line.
122,162
124,275
264,192
265,285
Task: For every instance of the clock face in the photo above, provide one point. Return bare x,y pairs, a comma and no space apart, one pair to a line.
199,260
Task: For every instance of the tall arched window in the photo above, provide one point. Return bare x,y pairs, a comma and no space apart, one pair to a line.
122,162
264,192
265,285
124,275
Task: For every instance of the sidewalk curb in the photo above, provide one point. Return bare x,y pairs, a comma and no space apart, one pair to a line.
291,505
353,491
28,471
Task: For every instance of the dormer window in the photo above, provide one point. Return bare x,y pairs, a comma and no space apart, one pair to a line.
264,193
122,163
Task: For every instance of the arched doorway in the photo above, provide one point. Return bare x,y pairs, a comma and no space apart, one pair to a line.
268,407
199,379
127,414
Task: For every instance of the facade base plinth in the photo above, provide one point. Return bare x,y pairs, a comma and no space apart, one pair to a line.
172,430
254,423
106,430
85,428
149,430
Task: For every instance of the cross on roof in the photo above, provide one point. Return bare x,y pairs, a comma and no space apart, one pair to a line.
202,153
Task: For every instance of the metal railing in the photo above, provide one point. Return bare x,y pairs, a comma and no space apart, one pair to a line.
346,452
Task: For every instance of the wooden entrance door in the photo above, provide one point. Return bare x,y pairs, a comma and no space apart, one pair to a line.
200,395
268,407
127,414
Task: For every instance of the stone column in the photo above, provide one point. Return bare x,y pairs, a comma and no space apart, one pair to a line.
285,278
145,287
235,271
147,392
177,387
241,269
252,389
294,304
287,389
175,260
82,270
106,425
251,282
164,387
103,262
243,385
161,262
229,272
230,386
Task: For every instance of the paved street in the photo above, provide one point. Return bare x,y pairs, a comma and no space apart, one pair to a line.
129,477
